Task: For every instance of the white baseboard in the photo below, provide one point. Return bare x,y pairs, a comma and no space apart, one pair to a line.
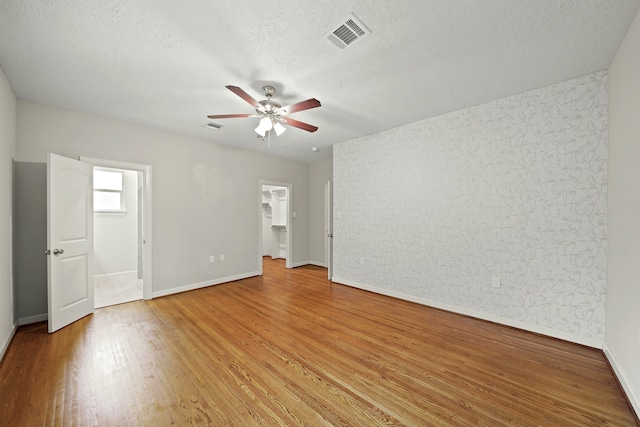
299,264
204,284
319,264
116,274
633,399
589,342
33,319
7,341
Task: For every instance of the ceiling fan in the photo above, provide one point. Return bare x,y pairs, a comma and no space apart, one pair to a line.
274,115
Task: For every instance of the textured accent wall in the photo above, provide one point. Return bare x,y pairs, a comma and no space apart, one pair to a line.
515,188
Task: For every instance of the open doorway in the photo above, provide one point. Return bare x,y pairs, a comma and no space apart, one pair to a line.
275,222
122,231
116,220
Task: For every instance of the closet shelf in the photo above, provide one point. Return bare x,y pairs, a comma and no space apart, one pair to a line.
266,209
280,193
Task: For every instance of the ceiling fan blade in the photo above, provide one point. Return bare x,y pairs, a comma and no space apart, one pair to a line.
231,116
300,106
244,95
298,124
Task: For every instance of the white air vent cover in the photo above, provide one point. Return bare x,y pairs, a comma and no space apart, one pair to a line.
212,125
347,32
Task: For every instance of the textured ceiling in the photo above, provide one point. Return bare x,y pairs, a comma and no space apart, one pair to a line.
164,64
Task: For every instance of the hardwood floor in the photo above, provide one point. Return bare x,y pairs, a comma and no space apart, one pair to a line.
291,348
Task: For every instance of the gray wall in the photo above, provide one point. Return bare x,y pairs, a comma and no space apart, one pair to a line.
7,153
514,189
30,229
622,339
205,195
319,173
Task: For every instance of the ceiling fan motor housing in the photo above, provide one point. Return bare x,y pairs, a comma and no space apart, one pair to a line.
269,107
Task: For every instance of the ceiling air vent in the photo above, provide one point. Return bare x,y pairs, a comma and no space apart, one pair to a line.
212,125
347,32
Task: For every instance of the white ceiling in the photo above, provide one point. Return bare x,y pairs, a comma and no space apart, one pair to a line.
164,64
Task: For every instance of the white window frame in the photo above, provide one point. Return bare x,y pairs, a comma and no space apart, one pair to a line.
122,208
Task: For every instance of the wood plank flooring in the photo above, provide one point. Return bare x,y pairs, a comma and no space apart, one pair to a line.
291,348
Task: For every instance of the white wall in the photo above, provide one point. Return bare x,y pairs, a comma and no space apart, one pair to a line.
116,234
622,338
204,194
319,173
7,152
515,188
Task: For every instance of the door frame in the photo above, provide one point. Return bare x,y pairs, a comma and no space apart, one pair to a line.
147,253
289,187
328,228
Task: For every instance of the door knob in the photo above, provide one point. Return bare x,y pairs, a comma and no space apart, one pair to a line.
58,251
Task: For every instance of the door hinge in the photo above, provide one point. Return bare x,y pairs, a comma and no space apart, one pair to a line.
47,252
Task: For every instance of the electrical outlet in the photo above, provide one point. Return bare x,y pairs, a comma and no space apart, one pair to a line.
212,258
222,257
495,282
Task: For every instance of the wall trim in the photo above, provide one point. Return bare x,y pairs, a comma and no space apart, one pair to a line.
33,319
589,342
115,274
204,284
319,264
7,341
633,400
303,263
299,264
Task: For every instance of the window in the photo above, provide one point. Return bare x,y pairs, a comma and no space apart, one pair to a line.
108,190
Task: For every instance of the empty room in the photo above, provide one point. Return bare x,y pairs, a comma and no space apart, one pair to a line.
319,213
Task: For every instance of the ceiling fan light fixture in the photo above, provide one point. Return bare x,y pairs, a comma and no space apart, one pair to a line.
279,128
260,131
266,123
264,126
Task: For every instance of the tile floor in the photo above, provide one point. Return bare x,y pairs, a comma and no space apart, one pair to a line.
117,288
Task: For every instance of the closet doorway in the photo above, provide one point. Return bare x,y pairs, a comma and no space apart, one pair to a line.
275,216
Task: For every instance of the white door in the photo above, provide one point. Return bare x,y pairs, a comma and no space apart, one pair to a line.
69,240
328,203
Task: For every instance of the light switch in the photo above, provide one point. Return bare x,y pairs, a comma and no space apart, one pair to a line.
495,282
